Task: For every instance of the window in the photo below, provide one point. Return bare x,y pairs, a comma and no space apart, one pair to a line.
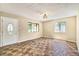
60,27
10,28
33,27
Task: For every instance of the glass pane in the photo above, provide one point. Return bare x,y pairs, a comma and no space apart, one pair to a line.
10,28
56,27
60,27
37,25
30,27
63,27
33,27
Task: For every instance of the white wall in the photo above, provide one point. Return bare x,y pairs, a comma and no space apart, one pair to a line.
23,34
69,35
0,31
77,30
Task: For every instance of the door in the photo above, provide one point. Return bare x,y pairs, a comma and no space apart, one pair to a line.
9,30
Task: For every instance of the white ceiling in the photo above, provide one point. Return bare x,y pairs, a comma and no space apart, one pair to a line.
35,11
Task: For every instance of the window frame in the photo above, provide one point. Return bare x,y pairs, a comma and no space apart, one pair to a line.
60,27
31,29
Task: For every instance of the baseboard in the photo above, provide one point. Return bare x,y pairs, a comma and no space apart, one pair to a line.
60,39
35,38
20,42
29,40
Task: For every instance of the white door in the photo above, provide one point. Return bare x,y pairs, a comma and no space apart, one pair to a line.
10,30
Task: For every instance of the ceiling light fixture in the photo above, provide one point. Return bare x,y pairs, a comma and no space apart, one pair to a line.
45,16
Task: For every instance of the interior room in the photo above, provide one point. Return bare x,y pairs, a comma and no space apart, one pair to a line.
39,29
